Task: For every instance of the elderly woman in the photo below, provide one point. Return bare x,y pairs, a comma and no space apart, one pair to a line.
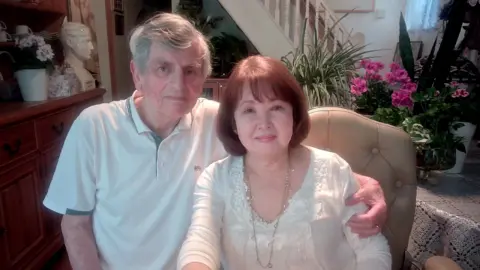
274,203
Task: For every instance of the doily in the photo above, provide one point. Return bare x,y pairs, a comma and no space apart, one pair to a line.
437,232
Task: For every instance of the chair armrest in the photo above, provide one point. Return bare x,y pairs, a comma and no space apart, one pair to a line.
441,263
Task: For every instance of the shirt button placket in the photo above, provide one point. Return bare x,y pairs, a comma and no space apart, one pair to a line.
158,158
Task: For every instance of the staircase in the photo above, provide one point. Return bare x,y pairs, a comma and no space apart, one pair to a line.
274,26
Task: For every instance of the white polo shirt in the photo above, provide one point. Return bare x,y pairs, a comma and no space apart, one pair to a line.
138,188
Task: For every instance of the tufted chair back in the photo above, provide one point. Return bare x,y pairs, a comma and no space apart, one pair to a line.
380,151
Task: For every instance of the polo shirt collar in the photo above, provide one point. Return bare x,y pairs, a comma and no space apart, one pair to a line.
184,123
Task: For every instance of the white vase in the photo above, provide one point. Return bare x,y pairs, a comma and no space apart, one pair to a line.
466,132
33,84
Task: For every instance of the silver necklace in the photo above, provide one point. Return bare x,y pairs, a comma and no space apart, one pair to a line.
253,214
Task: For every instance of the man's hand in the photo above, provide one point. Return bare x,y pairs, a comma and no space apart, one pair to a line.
370,193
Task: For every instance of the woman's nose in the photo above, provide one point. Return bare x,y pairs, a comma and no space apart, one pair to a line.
265,121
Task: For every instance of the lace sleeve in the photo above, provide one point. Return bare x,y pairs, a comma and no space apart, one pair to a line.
372,252
202,244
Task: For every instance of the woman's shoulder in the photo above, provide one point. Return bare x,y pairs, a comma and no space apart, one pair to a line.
329,168
323,157
225,165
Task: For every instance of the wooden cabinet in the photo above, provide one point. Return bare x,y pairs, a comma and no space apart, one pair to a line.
31,137
213,88
47,15
51,6
21,208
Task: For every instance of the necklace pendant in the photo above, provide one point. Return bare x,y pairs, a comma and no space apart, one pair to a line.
269,265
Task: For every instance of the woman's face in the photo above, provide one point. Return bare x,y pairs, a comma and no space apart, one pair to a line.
264,128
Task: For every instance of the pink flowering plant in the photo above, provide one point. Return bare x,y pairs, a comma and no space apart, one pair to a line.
465,104
32,52
372,90
391,99
431,129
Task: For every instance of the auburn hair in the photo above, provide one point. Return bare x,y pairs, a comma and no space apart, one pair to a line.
269,79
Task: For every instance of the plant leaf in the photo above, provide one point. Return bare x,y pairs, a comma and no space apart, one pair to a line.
405,48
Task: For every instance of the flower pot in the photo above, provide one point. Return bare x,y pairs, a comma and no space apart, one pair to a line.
33,84
466,132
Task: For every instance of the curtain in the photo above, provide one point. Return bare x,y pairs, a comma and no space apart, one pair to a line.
422,14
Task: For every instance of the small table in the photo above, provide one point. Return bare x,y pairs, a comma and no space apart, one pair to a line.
447,222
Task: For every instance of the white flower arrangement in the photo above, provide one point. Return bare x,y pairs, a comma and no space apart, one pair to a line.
33,53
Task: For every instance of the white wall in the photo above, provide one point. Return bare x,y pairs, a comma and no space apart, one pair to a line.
122,53
380,33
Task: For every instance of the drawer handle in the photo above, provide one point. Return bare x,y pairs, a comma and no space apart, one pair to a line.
12,151
58,128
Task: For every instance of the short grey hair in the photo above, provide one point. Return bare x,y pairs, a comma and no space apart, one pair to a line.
171,30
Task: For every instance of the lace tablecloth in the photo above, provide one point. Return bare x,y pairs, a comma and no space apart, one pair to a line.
438,232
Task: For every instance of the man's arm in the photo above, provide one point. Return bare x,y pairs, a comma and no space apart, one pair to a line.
80,242
371,194
371,252
72,192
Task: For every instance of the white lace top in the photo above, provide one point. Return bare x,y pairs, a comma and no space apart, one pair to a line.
311,233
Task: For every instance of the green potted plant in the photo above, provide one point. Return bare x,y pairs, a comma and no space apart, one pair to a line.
193,10
465,110
431,130
33,59
324,74
227,51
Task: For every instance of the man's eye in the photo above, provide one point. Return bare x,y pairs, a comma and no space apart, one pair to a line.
248,110
190,71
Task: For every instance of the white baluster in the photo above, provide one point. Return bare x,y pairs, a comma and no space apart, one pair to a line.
276,8
266,3
297,24
293,21
317,16
308,36
281,14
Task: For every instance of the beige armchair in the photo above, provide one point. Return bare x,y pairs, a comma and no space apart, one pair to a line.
382,152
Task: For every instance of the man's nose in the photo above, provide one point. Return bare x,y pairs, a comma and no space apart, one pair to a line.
179,81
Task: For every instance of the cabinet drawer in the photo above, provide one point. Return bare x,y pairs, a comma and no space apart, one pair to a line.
16,141
53,127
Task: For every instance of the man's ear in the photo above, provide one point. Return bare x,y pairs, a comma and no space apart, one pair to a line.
135,75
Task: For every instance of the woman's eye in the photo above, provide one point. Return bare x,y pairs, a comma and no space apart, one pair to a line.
248,110
277,108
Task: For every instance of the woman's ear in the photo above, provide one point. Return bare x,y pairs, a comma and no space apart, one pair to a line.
234,127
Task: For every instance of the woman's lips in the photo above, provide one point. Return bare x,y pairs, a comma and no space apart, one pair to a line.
266,138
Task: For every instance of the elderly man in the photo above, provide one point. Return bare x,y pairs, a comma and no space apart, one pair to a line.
126,174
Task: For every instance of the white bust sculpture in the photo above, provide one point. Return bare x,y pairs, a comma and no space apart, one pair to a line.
77,46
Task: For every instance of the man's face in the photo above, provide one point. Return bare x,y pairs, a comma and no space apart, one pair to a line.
172,80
